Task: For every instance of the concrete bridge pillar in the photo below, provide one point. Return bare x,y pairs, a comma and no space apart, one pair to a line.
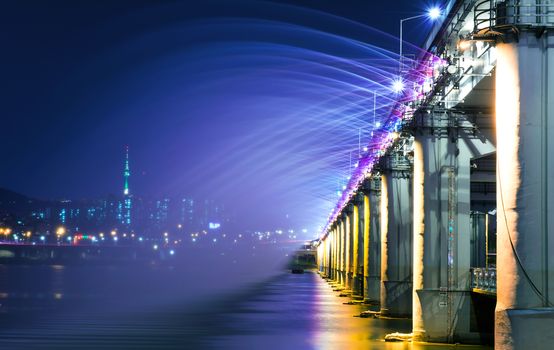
525,191
335,254
349,242
348,247
319,256
325,257
369,226
444,144
329,255
357,248
342,251
339,251
323,246
331,249
396,236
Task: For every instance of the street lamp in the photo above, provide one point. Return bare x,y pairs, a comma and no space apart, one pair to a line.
6,232
60,232
398,85
433,14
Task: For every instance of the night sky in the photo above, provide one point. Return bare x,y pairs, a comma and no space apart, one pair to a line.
209,95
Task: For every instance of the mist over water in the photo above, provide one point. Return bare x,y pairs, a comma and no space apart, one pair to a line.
195,275
51,306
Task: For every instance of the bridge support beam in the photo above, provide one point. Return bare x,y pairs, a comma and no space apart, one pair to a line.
369,220
338,260
342,253
444,144
357,249
396,237
320,258
525,191
336,252
348,248
331,252
330,243
326,256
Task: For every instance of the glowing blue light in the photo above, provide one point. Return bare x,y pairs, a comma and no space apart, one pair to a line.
140,239
434,13
155,247
214,225
171,252
398,86
42,238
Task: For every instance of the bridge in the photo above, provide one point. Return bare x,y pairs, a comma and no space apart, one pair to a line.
458,203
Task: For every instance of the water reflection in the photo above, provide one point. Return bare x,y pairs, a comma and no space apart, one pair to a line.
302,312
138,308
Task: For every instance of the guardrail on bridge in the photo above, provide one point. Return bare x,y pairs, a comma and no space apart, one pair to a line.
483,279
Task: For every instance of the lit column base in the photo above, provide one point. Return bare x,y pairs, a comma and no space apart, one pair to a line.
396,298
357,286
372,287
434,304
524,329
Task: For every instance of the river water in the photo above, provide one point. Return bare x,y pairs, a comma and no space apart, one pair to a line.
106,307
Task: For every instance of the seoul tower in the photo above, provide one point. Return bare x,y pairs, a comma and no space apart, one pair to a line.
126,173
126,219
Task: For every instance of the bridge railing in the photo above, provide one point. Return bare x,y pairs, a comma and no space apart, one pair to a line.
483,279
493,17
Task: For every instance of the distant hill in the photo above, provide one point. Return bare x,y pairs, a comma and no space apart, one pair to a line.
14,202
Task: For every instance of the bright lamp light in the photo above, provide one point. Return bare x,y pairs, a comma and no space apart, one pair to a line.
398,86
434,13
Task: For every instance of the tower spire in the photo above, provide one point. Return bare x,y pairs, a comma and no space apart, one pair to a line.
126,204
126,173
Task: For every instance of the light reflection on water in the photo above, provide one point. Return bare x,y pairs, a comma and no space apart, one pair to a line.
302,312
90,308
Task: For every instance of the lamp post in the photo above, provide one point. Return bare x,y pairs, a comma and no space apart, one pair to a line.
433,13
60,232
